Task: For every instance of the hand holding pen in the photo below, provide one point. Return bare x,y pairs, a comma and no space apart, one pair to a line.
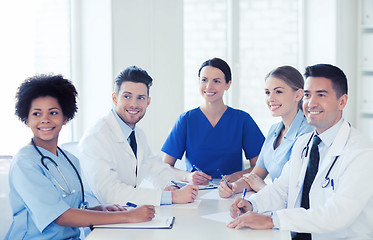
198,177
240,206
222,177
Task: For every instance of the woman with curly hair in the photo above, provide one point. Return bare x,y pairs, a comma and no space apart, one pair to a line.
46,191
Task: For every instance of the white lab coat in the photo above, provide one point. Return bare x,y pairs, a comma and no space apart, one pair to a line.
109,165
343,213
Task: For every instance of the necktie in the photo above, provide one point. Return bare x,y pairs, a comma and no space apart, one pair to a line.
313,166
133,143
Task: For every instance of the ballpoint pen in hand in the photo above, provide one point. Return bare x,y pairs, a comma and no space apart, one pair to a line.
178,184
129,204
244,193
225,180
243,198
196,168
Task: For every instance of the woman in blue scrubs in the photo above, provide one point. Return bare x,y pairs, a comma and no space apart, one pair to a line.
284,93
213,135
45,185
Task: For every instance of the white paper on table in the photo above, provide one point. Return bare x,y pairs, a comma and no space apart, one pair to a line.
156,223
194,204
214,195
223,217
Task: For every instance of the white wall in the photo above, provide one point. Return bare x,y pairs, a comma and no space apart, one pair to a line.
330,36
92,60
115,34
110,35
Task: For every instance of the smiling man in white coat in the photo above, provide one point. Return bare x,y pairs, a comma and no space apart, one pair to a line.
116,157
325,190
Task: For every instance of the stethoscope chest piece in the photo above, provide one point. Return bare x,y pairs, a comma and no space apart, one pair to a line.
326,182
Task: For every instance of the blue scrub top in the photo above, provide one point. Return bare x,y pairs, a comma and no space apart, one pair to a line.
211,148
36,198
273,160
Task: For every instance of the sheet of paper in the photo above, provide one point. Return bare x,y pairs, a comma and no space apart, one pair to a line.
192,205
223,217
157,223
214,195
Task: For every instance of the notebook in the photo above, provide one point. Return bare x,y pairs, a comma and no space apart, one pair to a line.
156,223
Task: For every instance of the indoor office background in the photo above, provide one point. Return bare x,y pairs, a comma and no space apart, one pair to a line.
91,41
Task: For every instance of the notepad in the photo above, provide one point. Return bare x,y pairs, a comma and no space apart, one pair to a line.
156,223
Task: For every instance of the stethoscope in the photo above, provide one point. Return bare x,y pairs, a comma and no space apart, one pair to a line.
83,205
304,154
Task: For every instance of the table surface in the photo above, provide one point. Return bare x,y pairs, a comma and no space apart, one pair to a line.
190,225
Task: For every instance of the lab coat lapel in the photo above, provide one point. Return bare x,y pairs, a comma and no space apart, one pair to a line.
335,149
117,131
119,137
140,150
297,170
302,172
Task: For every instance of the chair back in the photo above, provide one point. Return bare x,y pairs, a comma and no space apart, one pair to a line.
5,209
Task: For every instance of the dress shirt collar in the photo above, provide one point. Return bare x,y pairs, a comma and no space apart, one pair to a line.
123,126
294,126
329,135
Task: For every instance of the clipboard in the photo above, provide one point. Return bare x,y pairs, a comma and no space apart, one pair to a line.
156,223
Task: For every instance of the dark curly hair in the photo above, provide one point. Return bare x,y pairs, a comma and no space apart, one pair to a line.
55,86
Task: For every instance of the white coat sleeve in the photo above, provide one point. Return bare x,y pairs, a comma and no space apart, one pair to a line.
159,172
99,161
274,195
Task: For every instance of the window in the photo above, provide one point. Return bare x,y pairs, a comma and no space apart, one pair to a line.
36,39
268,37
205,37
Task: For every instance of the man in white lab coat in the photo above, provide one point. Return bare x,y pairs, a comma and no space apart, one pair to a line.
340,198
115,156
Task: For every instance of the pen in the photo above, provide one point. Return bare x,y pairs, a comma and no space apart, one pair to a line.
244,193
332,183
243,197
225,180
129,204
196,168
176,184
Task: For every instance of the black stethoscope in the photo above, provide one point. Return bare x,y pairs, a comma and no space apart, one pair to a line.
305,154
83,205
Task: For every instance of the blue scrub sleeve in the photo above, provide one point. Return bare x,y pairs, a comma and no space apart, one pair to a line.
43,202
253,138
175,143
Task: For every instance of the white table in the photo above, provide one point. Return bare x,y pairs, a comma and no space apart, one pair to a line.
189,226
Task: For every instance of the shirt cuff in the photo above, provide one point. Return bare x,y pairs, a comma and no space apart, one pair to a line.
166,198
255,209
275,220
